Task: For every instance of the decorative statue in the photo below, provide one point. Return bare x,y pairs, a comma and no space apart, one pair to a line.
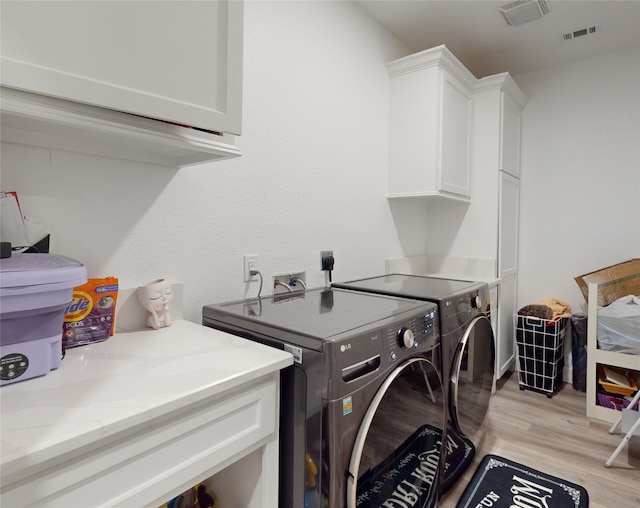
155,298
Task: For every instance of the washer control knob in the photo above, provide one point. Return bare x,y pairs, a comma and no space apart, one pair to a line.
406,337
476,302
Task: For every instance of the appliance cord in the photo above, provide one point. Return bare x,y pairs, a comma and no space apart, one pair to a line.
257,272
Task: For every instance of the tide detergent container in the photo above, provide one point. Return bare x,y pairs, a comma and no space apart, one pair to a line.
35,290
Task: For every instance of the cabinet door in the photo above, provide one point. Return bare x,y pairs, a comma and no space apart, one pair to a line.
179,61
507,268
508,210
510,136
429,126
505,339
454,145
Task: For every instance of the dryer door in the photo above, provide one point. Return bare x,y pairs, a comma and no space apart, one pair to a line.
396,455
471,380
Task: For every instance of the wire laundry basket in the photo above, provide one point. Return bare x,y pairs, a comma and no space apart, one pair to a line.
540,344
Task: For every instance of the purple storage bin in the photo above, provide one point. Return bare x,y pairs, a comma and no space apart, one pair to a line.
617,402
35,290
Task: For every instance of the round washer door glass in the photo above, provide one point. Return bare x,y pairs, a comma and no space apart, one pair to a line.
396,455
472,379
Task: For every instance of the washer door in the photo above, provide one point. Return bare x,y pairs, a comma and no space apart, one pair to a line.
471,379
396,455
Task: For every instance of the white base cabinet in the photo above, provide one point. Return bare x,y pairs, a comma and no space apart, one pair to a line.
143,417
148,463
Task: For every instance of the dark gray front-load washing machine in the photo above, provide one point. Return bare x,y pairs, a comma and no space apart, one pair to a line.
362,408
467,352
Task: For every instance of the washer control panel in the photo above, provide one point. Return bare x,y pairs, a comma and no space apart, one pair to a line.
460,309
419,333
358,356
406,337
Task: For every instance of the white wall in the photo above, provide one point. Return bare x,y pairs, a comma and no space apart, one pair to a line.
313,173
580,181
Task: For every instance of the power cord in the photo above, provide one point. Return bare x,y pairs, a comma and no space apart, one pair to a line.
327,265
257,272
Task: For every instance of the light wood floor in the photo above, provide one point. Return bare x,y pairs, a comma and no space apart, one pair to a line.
554,436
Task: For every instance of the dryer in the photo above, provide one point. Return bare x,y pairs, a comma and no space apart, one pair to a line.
466,353
362,409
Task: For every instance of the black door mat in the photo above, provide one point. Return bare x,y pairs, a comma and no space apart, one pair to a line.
502,483
410,472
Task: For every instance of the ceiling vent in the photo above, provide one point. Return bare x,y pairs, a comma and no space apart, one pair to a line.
567,36
524,11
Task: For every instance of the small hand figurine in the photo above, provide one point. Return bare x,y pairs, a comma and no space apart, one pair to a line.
155,298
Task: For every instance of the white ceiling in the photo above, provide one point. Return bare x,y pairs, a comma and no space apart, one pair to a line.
480,37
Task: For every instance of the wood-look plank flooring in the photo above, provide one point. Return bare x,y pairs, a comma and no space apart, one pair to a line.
553,435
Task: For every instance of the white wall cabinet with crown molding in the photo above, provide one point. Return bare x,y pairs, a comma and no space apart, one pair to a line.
430,114
158,81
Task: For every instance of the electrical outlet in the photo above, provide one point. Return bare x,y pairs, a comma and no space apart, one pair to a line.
250,263
326,260
289,282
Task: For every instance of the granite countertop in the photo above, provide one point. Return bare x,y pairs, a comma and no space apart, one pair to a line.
128,380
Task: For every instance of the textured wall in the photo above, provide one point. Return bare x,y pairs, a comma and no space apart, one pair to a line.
580,199
312,175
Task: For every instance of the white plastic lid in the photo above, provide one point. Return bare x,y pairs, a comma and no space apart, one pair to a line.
22,269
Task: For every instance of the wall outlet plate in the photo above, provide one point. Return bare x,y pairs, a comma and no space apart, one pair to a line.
250,263
324,254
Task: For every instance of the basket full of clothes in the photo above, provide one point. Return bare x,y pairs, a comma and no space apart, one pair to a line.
541,330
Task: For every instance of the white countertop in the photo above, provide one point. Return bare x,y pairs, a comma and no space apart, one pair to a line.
444,267
128,380
490,280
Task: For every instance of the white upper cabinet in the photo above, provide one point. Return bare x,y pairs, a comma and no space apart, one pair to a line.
430,111
498,103
175,61
513,101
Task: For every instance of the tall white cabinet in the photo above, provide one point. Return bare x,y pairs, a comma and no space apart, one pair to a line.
80,66
495,156
467,237
454,141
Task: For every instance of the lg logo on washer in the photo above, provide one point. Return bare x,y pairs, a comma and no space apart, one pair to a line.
346,347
